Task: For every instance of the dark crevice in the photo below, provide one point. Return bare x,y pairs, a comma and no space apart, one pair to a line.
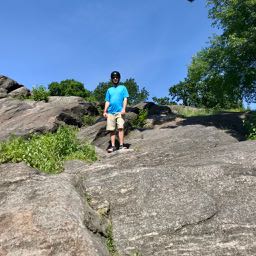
196,223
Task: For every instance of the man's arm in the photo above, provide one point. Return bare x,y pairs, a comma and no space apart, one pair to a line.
124,106
105,114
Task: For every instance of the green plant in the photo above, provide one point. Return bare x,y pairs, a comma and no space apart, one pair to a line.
90,98
40,93
140,120
189,111
186,111
89,120
88,198
250,126
48,151
110,241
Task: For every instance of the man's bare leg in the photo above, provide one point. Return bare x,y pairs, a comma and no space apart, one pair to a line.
112,138
121,136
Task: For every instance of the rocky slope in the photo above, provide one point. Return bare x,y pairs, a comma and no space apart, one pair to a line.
185,187
188,190
183,191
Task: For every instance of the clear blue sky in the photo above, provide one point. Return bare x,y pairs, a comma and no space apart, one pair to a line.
52,40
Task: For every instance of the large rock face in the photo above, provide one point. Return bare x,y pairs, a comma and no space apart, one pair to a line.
188,190
183,191
21,117
46,215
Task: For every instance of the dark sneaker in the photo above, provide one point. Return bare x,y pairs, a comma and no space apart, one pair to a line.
121,147
111,149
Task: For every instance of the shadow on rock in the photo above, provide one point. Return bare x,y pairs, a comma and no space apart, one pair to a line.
229,121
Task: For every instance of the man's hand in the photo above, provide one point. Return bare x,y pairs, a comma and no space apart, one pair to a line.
123,112
105,114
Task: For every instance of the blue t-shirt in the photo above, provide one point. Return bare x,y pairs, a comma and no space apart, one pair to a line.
115,96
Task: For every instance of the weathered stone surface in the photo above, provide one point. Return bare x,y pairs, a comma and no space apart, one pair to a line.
25,117
188,190
159,119
46,215
232,122
153,109
93,133
9,84
3,93
20,92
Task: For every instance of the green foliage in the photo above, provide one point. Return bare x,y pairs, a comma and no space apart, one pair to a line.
204,86
163,101
89,120
91,98
140,120
250,126
40,93
69,87
100,91
224,73
88,198
47,152
110,241
135,94
188,111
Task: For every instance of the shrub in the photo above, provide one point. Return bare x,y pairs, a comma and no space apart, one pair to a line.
47,152
140,120
40,93
189,111
250,126
89,120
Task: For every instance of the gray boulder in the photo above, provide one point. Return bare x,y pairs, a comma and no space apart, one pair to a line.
25,117
47,215
21,92
153,109
11,88
157,114
94,133
8,84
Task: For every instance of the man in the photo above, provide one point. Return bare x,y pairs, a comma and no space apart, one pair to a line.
115,108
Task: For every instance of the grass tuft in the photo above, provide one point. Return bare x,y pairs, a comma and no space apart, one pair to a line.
110,241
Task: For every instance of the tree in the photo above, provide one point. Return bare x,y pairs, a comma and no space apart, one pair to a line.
224,73
69,87
237,19
163,101
135,94
205,85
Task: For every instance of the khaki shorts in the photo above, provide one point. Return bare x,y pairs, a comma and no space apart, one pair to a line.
114,120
